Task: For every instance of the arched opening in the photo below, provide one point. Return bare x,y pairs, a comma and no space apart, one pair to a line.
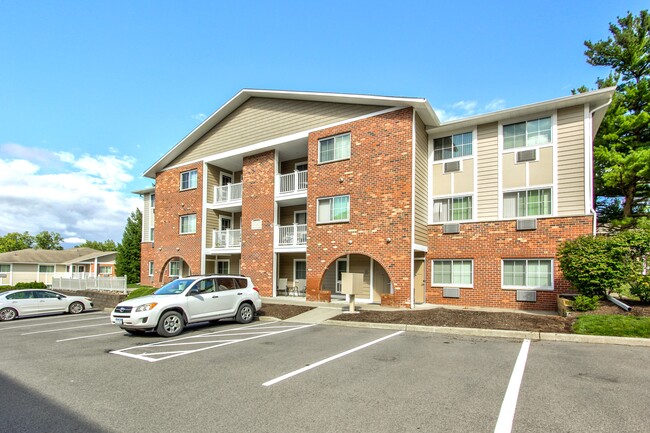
174,267
376,281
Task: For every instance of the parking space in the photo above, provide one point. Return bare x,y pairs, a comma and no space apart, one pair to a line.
290,377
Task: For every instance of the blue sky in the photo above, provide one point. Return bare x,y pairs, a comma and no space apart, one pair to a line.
93,93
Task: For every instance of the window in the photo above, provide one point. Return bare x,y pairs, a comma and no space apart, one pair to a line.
452,209
452,273
105,270
454,146
334,209
531,133
188,224
188,179
151,269
223,267
334,148
5,268
46,268
300,269
152,201
533,274
151,234
175,269
534,202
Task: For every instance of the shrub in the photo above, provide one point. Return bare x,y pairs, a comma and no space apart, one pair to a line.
640,286
6,288
585,303
142,291
32,285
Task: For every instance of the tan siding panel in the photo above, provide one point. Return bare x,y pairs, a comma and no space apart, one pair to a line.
286,267
464,180
261,119
441,181
514,175
421,181
541,172
488,152
570,165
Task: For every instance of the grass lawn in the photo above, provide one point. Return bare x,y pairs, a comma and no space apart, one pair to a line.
613,325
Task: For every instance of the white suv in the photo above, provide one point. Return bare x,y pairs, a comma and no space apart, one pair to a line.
189,300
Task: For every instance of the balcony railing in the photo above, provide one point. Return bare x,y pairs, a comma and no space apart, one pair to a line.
292,182
293,235
227,193
230,238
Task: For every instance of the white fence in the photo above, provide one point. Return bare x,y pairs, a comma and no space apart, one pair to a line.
101,283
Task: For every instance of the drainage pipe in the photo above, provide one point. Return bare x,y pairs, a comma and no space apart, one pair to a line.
619,303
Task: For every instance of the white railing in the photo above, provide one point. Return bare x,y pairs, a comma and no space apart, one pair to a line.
292,182
292,235
90,283
74,275
227,193
230,238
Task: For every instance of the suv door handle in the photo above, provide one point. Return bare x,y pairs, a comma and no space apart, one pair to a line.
215,296
240,293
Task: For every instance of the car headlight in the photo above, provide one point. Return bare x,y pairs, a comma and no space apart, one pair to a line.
145,307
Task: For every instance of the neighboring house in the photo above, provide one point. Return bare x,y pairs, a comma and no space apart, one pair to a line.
295,188
29,265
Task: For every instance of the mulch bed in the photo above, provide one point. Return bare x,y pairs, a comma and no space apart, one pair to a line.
282,311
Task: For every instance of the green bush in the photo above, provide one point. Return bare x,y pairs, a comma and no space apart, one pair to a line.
32,285
142,291
6,288
640,286
585,303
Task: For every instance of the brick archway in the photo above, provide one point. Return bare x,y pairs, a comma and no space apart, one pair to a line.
164,272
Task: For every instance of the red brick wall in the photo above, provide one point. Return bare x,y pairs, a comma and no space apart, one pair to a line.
490,242
378,179
168,243
258,202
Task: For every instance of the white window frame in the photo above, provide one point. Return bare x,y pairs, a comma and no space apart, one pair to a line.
5,264
222,261
180,224
526,121
150,268
527,287
453,158
526,190
151,233
177,263
452,284
334,137
106,273
152,201
451,198
331,221
189,173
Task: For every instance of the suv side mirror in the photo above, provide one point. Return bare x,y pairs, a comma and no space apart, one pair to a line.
193,291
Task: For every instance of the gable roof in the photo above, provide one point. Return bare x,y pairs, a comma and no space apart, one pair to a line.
71,255
420,105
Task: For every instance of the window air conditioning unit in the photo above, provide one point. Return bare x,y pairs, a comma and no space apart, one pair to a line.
527,155
451,292
527,224
526,295
451,228
452,166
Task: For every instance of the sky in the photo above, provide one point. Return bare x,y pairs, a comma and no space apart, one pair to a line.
93,93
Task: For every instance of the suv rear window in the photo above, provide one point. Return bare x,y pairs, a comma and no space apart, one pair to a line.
243,282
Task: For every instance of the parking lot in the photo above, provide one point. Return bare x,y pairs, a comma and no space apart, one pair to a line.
80,373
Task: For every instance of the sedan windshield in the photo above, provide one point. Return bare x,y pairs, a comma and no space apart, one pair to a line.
174,288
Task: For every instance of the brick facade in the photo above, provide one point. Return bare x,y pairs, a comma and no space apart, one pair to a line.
487,243
378,178
169,244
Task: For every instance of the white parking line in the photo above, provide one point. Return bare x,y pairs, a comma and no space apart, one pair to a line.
150,355
331,358
66,329
9,327
89,336
507,413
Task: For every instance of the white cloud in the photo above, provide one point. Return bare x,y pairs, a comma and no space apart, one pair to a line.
80,197
74,240
199,117
461,109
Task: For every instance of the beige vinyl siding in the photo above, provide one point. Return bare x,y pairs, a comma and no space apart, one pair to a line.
488,172
540,172
514,175
287,214
441,181
212,223
233,265
261,119
146,218
286,266
329,279
464,180
421,181
287,167
212,181
571,161
24,273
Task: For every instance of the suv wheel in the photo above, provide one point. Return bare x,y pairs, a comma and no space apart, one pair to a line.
170,324
245,313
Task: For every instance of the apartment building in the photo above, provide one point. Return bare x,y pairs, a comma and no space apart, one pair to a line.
295,188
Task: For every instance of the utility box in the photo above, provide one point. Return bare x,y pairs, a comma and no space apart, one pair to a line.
351,283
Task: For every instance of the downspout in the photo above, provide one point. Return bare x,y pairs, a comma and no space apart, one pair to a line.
591,167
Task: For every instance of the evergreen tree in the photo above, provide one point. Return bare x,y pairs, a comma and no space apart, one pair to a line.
127,261
622,146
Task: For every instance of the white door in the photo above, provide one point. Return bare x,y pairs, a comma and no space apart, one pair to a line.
341,266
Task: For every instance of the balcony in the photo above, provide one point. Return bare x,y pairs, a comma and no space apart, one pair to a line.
293,237
227,197
227,240
291,184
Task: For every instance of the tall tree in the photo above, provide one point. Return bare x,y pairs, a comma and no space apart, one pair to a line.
127,261
48,241
15,241
622,146
108,245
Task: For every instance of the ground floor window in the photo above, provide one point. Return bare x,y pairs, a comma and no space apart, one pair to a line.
151,269
223,267
5,268
175,269
452,273
45,269
300,269
105,270
531,274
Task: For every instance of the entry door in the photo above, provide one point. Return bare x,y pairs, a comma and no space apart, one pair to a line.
226,223
341,266
418,281
225,179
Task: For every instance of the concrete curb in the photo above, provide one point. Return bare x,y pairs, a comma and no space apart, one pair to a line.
497,333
